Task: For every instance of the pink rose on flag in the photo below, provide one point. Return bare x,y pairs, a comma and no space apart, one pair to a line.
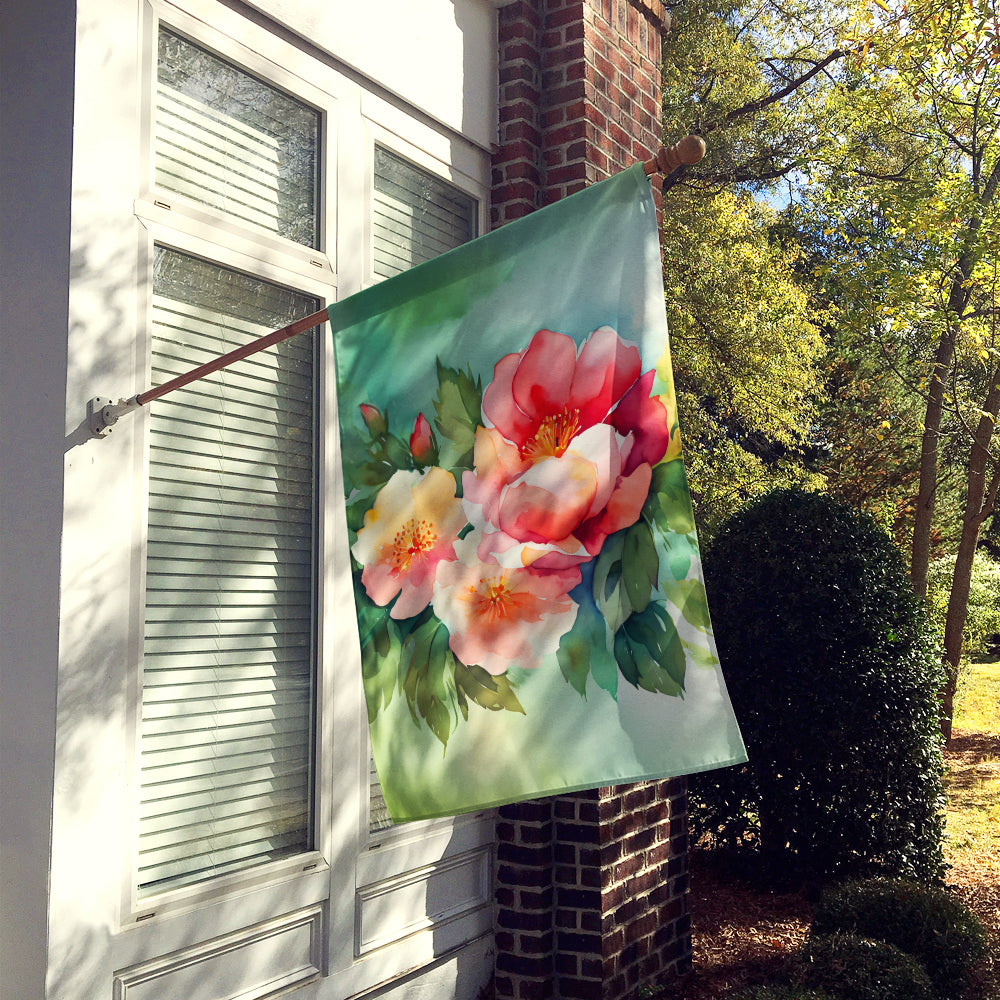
499,618
567,458
411,528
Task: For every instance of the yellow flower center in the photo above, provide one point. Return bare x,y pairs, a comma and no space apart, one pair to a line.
411,541
492,598
553,436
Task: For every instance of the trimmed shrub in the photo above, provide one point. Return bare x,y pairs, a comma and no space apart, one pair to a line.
857,968
833,672
925,922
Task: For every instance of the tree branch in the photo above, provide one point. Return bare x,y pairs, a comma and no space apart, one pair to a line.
754,106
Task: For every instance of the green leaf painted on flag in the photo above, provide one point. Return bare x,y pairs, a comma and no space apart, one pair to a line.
380,637
458,405
379,665
585,650
640,564
609,588
427,673
496,693
682,550
650,653
689,597
701,656
668,505
625,573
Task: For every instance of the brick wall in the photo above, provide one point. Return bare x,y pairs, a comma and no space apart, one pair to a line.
579,96
591,893
591,889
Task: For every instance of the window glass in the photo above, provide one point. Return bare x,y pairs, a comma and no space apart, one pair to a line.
231,141
416,216
228,685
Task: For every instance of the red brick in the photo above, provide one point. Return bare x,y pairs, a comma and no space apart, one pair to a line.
568,53
517,49
589,944
521,90
520,965
567,964
569,132
520,110
574,988
521,130
514,152
530,899
517,11
515,875
571,14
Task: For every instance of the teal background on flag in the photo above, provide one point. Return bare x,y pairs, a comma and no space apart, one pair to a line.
530,604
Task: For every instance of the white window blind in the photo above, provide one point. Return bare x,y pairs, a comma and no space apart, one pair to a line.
226,754
228,140
416,216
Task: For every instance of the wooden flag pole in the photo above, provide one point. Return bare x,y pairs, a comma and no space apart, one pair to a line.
103,413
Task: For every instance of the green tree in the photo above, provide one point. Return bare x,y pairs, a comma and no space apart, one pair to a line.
747,357
833,671
910,179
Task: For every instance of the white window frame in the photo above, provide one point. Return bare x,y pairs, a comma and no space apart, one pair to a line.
350,871
180,224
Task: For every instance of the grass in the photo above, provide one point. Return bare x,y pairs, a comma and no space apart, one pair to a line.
978,699
973,808
973,782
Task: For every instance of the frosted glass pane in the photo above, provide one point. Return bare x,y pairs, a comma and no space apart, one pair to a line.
226,139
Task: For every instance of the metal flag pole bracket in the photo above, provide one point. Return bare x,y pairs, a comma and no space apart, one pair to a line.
103,413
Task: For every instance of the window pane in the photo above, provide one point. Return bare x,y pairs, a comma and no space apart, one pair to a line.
228,663
226,139
416,216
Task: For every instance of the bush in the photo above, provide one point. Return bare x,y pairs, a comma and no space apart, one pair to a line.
925,922
833,672
856,968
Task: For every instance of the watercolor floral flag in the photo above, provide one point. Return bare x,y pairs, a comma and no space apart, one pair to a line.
530,604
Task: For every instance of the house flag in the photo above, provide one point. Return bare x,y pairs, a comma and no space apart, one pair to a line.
530,603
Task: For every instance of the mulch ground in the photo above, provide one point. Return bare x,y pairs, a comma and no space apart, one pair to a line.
742,934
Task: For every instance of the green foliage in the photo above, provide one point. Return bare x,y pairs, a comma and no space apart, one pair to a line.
857,968
747,354
833,674
983,612
924,921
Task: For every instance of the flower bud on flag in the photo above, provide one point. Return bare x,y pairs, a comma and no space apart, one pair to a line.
423,446
374,419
